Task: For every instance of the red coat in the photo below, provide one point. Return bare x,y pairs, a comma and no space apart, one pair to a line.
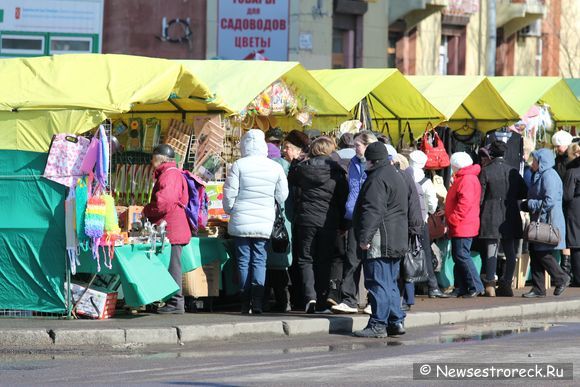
169,192
462,203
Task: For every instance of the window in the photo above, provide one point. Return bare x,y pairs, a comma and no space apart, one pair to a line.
22,44
342,49
70,45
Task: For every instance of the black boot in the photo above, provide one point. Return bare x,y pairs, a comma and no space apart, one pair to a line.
566,264
257,298
245,297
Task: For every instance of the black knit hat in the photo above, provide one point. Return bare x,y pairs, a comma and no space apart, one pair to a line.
298,139
497,148
376,151
274,134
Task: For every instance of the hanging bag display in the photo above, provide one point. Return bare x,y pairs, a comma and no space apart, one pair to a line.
279,239
65,158
90,158
544,233
437,157
406,148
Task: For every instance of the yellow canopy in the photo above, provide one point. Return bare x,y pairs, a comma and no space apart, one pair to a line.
465,98
109,83
523,92
32,130
390,94
236,84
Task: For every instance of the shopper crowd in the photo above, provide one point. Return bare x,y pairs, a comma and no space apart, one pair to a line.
364,207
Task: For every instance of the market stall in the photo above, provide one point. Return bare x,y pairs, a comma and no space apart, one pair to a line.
206,132
43,103
574,85
383,99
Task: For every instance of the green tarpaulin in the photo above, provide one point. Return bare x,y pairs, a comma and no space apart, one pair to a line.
144,276
32,238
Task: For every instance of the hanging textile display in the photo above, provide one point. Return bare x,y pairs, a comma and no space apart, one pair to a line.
81,199
72,242
102,166
65,158
95,224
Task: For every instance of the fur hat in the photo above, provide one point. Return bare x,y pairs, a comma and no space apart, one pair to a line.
298,139
497,148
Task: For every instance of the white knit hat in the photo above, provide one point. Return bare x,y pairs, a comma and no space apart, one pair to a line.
562,138
417,159
460,160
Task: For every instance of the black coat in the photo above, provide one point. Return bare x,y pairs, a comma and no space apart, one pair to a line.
501,188
561,165
414,215
381,212
572,203
321,191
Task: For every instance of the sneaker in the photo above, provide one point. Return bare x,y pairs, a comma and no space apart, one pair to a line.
170,309
331,301
310,307
323,311
343,308
374,331
368,310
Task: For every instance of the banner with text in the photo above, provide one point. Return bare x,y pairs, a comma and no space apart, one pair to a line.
252,29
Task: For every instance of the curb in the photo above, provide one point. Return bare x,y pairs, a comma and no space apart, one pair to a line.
329,324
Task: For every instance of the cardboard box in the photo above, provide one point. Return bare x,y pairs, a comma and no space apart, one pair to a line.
122,216
134,215
203,281
97,303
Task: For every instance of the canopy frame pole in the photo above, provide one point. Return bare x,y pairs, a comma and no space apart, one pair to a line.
470,115
383,105
178,107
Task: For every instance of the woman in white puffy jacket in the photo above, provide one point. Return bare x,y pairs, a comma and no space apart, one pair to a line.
253,185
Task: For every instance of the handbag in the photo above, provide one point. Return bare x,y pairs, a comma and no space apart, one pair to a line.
437,157
414,265
436,224
279,239
544,233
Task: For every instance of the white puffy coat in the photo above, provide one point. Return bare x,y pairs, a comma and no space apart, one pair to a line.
253,182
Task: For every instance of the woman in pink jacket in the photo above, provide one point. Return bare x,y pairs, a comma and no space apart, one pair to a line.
462,215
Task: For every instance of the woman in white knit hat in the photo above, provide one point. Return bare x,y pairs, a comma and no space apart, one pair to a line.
462,215
417,161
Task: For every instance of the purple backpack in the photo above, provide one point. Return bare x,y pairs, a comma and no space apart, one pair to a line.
196,209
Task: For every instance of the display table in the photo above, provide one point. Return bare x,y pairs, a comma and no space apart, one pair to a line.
446,277
144,275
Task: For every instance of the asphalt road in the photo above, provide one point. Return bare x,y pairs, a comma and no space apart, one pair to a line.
308,360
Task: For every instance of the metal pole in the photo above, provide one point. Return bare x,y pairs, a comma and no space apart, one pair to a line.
492,37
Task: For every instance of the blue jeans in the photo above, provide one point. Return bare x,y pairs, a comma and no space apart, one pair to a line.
465,273
381,276
251,255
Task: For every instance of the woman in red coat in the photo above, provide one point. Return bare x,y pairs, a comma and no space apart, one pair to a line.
168,201
462,214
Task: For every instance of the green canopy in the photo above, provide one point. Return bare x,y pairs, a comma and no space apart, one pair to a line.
465,98
237,83
523,92
574,84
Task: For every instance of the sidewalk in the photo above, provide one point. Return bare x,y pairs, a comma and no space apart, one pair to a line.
175,329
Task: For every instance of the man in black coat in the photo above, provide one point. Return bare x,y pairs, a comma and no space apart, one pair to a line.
501,188
380,222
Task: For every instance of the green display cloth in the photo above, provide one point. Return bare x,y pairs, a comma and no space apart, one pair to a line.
144,276
32,235
445,277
